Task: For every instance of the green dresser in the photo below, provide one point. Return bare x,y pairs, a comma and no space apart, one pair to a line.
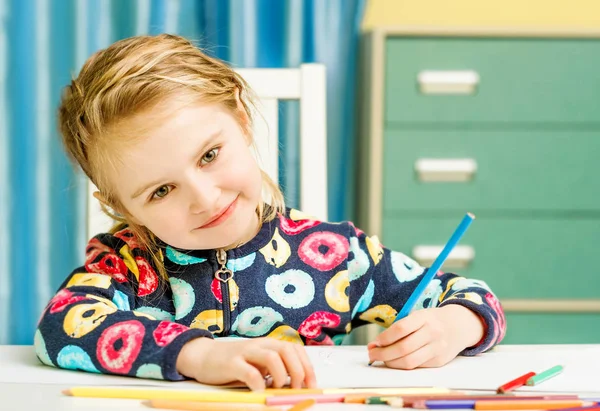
505,125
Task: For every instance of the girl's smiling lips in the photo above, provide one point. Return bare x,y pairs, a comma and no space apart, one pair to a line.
221,216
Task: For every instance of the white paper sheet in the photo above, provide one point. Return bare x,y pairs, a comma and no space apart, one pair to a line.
346,366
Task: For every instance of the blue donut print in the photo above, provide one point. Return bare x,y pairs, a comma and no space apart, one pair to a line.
360,263
365,300
72,357
157,313
239,264
256,321
291,289
181,258
429,298
149,371
405,268
40,348
121,301
184,297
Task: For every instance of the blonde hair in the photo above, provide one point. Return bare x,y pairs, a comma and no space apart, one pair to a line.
131,77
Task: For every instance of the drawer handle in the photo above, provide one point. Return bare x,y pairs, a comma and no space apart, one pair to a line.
445,169
448,82
460,257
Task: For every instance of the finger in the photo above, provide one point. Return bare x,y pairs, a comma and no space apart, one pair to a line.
415,359
248,374
403,347
402,328
310,379
270,359
293,365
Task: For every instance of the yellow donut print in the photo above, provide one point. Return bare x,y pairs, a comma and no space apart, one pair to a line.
286,333
234,293
89,280
473,297
299,215
129,261
277,251
211,320
383,315
335,292
102,300
77,325
141,314
449,285
374,248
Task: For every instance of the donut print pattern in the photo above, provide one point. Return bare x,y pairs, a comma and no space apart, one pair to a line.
299,280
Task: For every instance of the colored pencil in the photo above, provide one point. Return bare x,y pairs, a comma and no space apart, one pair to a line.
408,401
435,267
168,394
499,404
295,399
392,391
303,405
514,384
545,375
207,406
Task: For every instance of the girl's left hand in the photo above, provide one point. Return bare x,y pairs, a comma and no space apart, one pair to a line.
427,338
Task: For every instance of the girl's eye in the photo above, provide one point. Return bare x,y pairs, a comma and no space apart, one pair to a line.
161,192
210,156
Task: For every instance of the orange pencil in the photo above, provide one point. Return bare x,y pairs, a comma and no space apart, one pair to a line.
514,384
528,404
302,405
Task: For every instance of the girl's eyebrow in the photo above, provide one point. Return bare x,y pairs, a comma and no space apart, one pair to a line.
205,143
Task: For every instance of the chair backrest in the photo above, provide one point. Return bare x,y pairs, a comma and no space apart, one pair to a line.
306,84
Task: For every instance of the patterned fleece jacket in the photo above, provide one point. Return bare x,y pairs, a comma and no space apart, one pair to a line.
299,280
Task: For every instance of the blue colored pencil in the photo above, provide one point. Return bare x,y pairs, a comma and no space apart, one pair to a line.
446,404
435,267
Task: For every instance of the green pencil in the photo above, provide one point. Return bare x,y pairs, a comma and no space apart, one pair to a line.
543,376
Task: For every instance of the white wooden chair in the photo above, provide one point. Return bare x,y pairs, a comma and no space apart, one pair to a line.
306,84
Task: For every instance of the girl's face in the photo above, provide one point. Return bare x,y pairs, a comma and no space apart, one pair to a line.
192,180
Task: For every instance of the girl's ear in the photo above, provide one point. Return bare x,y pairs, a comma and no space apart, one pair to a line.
245,119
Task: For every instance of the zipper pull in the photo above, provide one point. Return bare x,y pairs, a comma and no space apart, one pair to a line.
223,274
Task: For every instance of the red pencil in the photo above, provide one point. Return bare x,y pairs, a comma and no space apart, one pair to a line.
514,384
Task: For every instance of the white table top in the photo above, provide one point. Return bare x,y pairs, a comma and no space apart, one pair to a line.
26,384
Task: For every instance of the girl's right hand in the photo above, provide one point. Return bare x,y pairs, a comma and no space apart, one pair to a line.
220,362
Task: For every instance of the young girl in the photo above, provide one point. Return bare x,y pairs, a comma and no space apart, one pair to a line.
164,132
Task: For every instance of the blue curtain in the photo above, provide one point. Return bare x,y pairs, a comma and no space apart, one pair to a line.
44,42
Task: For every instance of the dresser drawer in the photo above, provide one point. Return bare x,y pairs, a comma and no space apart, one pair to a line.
515,170
536,328
519,258
525,80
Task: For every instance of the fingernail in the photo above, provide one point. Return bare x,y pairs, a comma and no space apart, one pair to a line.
373,344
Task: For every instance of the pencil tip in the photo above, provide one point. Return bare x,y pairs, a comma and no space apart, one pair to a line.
371,363
147,403
67,392
471,215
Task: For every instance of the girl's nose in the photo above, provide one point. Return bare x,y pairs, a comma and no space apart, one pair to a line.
204,196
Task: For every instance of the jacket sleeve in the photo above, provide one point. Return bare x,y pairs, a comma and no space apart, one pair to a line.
92,323
382,280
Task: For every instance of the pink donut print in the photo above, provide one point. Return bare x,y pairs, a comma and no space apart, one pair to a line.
312,326
129,336
323,250
148,281
111,265
129,238
293,227
94,249
62,299
215,287
167,331
501,320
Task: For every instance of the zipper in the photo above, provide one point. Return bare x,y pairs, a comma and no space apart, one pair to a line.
224,274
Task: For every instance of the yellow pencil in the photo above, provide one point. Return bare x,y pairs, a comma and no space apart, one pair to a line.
166,394
207,406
